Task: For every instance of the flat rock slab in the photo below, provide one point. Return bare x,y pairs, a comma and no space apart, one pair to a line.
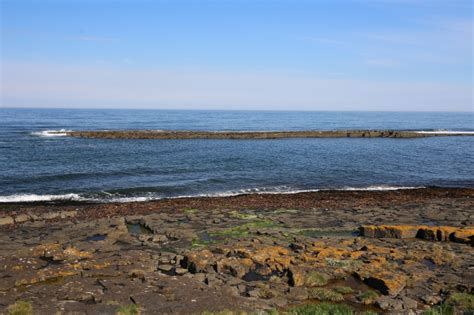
433,233
151,134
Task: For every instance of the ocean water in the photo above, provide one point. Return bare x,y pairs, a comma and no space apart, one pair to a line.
36,166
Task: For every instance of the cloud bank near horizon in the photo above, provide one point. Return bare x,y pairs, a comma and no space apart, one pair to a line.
39,85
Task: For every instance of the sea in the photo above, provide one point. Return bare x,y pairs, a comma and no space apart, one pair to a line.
36,165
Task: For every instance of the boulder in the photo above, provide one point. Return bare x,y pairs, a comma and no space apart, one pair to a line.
199,261
165,267
297,276
387,283
22,218
6,220
463,236
298,293
137,273
389,231
67,214
237,267
50,215
389,304
432,233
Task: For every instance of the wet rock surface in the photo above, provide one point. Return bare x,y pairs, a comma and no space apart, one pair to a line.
188,259
151,134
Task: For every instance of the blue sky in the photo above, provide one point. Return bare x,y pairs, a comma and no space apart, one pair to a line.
307,55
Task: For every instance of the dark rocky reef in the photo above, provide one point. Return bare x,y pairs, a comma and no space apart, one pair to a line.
151,134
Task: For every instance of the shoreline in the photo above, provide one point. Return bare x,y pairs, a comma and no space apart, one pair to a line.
256,135
403,251
300,200
77,198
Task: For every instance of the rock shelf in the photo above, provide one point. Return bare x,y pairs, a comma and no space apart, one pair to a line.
151,134
243,253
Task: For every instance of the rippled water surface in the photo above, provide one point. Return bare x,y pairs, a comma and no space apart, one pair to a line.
37,166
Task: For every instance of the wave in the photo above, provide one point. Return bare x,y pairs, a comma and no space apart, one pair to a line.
379,188
446,132
51,133
257,191
36,198
106,197
287,190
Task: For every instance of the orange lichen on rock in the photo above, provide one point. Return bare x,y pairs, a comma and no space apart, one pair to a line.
93,265
75,253
45,276
275,257
388,283
46,249
297,276
237,267
463,236
332,252
56,252
199,261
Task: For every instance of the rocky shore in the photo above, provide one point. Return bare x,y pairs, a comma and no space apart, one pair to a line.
400,252
151,134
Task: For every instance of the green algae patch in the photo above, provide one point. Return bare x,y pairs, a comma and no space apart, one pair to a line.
323,294
442,309
131,309
321,309
242,230
462,301
190,210
243,216
344,290
20,308
343,263
206,237
315,279
368,297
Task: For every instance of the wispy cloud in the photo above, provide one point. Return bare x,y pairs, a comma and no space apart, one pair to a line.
382,62
390,37
323,40
91,38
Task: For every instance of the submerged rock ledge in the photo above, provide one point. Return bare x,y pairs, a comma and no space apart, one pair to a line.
168,134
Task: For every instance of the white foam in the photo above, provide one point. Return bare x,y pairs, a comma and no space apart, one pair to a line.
380,188
446,132
288,191
284,190
127,199
35,198
51,133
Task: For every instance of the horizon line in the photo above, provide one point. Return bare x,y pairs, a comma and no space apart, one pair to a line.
237,110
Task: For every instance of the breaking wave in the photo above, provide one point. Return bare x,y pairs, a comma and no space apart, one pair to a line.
380,188
446,132
105,197
51,133
36,198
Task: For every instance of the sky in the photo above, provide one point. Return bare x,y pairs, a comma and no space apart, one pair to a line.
375,55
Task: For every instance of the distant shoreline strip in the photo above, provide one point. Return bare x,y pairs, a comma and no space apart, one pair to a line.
176,135
76,197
